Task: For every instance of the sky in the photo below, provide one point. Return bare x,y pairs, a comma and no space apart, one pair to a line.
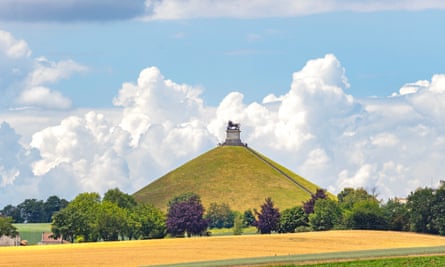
96,95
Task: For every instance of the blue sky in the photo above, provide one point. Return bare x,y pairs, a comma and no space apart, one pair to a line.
381,51
308,80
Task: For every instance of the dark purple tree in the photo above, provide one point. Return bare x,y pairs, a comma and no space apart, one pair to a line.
185,216
308,206
268,218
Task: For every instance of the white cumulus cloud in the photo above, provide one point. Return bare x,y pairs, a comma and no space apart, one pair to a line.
47,72
393,144
156,100
161,123
43,97
25,81
13,48
15,167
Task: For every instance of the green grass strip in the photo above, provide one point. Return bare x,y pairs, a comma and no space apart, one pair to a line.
32,232
424,261
361,254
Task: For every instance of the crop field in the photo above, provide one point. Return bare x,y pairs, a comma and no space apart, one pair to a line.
187,250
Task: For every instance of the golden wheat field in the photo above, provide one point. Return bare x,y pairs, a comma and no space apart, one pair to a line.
165,251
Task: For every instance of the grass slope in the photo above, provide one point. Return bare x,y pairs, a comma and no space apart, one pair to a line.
232,175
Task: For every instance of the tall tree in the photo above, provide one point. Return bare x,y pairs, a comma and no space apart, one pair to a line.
150,222
292,218
185,215
111,221
420,204
13,212
32,211
438,210
326,215
268,217
52,205
349,196
367,214
120,198
78,219
397,215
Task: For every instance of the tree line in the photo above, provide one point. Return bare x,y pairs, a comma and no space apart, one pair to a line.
33,210
117,216
422,212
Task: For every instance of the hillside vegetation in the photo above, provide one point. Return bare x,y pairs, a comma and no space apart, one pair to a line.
230,174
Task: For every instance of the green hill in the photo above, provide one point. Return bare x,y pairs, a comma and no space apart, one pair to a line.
236,175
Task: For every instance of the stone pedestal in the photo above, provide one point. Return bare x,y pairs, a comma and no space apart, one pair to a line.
233,135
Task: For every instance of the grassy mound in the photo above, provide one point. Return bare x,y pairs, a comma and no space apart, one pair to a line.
234,175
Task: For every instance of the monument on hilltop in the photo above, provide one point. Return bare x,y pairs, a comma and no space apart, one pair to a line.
233,135
230,173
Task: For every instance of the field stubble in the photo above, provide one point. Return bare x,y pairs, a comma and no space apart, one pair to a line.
168,251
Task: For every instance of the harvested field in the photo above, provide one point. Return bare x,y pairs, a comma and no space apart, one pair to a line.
167,251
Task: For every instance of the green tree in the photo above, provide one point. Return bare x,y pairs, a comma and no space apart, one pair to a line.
248,218
397,215
6,227
64,224
349,196
111,221
438,210
326,215
32,211
367,214
238,224
52,205
292,218
78,219
420,206
268,217
220,216
120,198
150,222
13,212
132,227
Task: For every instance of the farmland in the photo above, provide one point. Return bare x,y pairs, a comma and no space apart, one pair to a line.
170,251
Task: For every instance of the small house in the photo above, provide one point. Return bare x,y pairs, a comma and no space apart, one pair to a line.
48,239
